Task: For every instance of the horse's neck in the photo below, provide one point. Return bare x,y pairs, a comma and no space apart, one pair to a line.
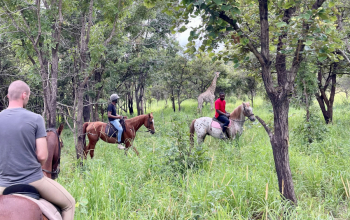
237,116
136,123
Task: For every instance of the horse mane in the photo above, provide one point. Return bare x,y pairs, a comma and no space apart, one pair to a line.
237,112
135,118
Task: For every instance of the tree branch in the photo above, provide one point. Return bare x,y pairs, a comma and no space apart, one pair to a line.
267,129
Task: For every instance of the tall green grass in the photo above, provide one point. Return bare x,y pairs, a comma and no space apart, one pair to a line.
237,180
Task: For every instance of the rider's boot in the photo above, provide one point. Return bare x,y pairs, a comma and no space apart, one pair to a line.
121,147
222,135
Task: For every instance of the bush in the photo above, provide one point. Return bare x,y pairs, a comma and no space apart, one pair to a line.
180,156
311,131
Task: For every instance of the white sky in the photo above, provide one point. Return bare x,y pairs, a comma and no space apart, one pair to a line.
183,37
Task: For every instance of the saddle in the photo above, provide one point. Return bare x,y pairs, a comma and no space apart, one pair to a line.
218,124
111,131
51,211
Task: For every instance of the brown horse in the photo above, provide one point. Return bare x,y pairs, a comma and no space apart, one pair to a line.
15,207
96,130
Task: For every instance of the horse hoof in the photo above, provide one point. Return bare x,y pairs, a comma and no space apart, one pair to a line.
121,147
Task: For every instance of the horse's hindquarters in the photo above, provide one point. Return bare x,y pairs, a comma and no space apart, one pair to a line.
15,208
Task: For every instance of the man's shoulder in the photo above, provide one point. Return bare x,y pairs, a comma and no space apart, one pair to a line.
21,111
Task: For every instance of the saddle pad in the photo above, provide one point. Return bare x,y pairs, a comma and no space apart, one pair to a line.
216,124
46,207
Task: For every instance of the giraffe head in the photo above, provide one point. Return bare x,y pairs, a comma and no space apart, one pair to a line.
217,74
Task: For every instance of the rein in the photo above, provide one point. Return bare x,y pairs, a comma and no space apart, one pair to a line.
57,171
244,116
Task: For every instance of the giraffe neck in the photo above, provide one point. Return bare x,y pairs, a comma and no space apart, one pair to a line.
212,87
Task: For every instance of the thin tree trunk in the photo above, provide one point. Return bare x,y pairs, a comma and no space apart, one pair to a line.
326,104
173,99
306,102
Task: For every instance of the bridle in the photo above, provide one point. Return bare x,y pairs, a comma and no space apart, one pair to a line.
148,125
244,112
60,143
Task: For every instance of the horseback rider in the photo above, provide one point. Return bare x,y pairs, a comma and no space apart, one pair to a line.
24,150
221,114
114,119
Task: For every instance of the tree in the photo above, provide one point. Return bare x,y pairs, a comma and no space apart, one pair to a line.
283,31
38,28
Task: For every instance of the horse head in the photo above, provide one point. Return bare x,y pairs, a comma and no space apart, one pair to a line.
248,111
149,123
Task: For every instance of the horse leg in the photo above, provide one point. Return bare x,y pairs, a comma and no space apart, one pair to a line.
92,148
200,139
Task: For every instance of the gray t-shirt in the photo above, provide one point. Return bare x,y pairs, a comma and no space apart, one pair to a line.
19,128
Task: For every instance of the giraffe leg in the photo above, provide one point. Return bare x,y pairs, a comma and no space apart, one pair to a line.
200,104
211,104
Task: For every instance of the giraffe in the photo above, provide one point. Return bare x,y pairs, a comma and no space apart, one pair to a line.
208,95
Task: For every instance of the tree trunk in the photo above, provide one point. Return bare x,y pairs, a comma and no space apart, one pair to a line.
326,104
178,100
131,103
306,102
280,144
79,148
86,109
173,99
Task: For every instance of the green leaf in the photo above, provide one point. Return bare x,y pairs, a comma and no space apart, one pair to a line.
235,11
289,4
281,24
236,65
245,41
308,43
182,29
322,57
226,7
331,4
218,2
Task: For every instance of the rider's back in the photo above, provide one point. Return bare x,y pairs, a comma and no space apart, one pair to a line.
19,129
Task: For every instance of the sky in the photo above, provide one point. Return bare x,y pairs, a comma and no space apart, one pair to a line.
182,37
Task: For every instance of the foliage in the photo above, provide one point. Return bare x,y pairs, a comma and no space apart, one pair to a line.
181,156
232,185
311,131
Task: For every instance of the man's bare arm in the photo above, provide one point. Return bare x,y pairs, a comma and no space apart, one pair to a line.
41,150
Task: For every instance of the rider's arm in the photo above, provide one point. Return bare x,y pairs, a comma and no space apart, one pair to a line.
113,116
220,112
41,150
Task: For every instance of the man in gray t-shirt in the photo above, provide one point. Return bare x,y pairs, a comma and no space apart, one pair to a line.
23,150
19,129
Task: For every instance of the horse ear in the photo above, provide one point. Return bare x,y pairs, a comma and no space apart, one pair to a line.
243,104
60,128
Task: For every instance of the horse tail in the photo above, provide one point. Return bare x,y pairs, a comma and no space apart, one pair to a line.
84,133
192,132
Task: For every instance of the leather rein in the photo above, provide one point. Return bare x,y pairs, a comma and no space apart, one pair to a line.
57,170
244,110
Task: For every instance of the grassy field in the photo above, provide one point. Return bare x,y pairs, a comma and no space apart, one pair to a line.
222,180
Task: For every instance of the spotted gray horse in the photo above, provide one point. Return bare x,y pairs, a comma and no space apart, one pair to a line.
203,126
